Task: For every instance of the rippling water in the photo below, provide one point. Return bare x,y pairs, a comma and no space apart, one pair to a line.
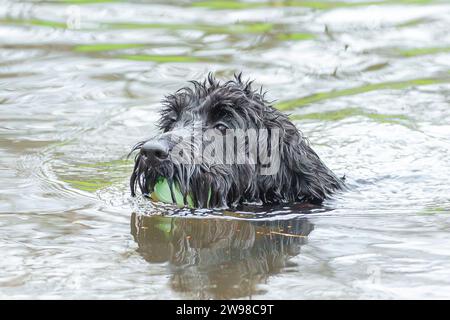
367,81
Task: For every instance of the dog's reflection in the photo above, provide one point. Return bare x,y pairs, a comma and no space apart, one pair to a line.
216,257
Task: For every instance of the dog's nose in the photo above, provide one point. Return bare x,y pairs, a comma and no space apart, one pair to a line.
155,150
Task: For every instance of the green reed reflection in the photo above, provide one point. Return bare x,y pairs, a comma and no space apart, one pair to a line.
395,85
337,115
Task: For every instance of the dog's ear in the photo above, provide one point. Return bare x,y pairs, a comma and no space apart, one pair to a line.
301,175
311,179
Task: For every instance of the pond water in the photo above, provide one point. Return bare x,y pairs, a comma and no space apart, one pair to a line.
368,82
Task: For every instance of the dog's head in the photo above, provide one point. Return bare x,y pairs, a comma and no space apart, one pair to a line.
223,144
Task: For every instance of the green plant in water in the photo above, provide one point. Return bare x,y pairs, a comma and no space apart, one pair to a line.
423,51
317,97
160,58
295,36
106,47
89,185
337,115
317,5
238,28
104,174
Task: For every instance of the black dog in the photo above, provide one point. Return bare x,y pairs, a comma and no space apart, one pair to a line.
281,168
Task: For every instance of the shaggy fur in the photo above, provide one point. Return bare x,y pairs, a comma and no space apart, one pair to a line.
302,176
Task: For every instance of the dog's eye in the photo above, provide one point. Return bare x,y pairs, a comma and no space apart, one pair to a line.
221,127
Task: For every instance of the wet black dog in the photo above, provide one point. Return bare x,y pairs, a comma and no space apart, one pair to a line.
270,162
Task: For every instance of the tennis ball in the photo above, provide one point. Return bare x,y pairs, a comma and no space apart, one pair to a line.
161,192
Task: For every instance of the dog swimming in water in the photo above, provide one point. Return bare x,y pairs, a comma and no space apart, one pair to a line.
223,144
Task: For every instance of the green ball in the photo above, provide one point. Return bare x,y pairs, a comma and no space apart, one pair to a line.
161,192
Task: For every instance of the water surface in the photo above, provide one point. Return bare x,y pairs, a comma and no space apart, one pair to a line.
368,82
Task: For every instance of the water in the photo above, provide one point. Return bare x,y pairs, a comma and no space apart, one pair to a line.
367,81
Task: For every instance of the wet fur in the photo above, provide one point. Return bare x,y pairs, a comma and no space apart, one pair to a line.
302,176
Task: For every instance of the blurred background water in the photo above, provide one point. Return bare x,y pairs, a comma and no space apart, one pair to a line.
367,81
